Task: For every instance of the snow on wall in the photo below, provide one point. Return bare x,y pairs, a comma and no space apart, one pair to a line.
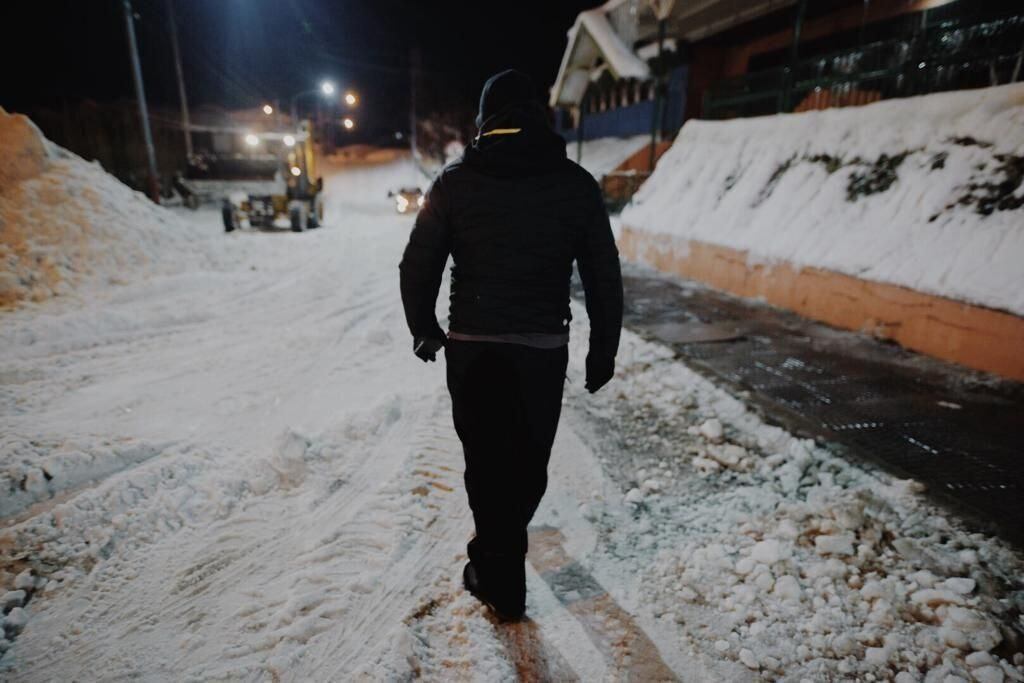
923,192
602,155
64,220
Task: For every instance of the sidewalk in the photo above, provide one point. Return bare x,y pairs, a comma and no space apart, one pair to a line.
957,432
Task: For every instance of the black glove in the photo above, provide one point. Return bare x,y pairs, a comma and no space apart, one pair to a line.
426,348
600,369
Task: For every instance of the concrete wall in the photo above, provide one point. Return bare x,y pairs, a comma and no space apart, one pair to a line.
974,336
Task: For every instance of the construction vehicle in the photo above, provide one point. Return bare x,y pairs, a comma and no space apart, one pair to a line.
296,196
262,179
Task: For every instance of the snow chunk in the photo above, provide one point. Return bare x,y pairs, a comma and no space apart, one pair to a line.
934,597
834,544
960,586
876,656
768,552
16,619
976,659
12,599
24,580
748,658
988,674
711,429
788,588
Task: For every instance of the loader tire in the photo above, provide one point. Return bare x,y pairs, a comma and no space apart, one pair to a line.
316,215
228,215
296,218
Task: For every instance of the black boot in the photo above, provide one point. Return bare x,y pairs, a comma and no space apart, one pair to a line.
508,604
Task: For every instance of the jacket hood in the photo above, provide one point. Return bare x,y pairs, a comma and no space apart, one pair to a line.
515,138
533,149
502,93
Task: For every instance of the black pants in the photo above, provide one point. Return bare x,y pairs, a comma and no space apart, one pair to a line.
506,400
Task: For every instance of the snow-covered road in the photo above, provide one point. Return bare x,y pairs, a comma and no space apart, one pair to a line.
240,472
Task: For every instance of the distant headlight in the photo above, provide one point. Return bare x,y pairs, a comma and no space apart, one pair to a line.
289,140
420,201
402,203
252,140
296,171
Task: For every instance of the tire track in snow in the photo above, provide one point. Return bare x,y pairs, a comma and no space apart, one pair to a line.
628,650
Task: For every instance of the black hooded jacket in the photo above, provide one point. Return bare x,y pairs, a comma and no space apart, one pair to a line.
514,213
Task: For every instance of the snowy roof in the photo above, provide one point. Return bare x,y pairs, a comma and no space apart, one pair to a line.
612,31
591,38
697,19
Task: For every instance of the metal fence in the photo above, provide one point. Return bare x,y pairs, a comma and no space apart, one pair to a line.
948,56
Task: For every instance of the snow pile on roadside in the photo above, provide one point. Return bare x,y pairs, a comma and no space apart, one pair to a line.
603,155
924,192
64,220
766,550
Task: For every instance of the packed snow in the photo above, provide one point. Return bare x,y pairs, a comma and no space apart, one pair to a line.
62,222
924,192
236,469
603,155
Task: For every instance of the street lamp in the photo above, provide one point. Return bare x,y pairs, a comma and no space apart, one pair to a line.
267,109
348,123
326,89
351,99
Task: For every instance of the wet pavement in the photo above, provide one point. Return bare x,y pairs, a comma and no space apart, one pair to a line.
957,431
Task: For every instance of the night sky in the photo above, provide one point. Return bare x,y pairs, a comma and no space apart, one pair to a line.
240,53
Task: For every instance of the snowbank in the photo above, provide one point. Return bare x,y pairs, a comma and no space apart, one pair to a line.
603,155
64,221
923,192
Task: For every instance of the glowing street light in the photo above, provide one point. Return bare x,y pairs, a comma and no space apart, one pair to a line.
252,139
351,99
296,171
348,123
327,88
267,109
289,140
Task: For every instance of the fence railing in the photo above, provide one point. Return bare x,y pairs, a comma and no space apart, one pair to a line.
945,57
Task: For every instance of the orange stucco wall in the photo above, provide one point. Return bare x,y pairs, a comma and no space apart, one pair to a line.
974,336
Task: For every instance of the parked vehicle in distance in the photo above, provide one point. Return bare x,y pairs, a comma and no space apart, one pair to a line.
407,199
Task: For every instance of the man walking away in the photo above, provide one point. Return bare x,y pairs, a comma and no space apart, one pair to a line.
514,213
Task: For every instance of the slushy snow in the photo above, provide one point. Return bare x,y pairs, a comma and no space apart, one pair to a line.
236,469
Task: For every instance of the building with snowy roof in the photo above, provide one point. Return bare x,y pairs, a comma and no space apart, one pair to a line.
900,218
643,67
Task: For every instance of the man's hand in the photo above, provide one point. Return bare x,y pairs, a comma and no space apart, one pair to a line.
600,369
426,348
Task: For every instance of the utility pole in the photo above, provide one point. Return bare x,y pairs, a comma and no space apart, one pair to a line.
181,77
153,183
414,74
659,97
794,54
